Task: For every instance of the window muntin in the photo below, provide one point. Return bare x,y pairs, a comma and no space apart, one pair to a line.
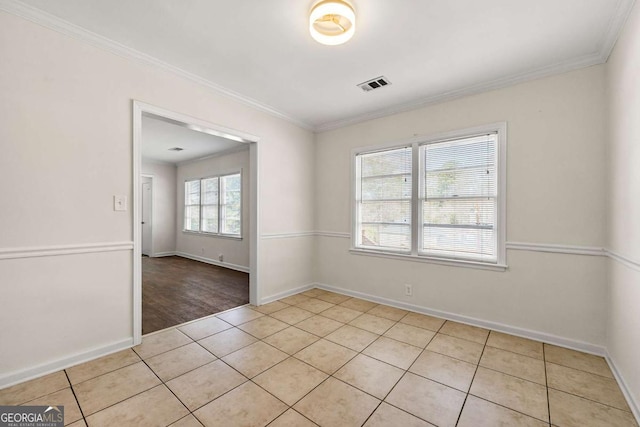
443,200
213,205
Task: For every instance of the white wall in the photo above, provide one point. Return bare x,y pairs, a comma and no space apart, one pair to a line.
163,204
623,87
556,181
66,139
236,252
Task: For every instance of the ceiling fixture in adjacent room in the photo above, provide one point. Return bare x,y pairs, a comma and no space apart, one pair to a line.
332,22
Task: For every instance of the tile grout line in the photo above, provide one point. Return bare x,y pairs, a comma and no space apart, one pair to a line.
109,372
120,401
478,366
372,412
590,400
75,397
546,383
384,399
124,400
500,404
507,374
166,386
466,396
582,370
216,398
506,407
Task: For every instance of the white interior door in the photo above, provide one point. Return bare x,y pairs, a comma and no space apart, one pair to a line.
146,215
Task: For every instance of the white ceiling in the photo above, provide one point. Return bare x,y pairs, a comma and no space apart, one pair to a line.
430,50
158,136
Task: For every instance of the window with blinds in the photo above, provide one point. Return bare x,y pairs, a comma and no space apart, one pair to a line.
214,205
230,203
459,198
192,205
435,199
210,205
384,199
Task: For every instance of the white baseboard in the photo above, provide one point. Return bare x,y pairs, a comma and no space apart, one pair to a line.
287,293
162,254
236,267
500,327
635,407
12,378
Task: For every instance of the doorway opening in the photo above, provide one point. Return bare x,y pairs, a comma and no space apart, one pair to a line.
195,218
146,209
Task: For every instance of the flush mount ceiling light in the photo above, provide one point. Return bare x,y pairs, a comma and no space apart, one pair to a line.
332,22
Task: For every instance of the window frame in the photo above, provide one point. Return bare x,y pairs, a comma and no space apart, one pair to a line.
219,233
357,196
415,143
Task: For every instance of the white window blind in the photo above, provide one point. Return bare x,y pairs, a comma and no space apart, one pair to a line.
459,198
230,202
384,199
192,205
210,205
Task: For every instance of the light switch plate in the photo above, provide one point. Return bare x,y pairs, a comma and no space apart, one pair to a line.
119,203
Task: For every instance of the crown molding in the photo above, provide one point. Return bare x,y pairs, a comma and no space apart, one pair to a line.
232,150
559,68
616,23
52,22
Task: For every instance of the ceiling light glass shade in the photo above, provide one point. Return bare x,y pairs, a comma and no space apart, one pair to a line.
332,22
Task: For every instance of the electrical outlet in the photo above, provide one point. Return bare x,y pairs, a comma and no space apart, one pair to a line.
202,251
220,257
408,290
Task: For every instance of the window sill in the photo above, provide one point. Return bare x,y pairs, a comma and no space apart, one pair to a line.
222,236
430,260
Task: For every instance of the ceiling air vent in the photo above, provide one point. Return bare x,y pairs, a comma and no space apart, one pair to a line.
376,83
176,149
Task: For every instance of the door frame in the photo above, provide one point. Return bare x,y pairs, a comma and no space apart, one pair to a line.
151,251
140,109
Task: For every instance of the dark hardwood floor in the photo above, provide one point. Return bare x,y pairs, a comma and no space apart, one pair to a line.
176,290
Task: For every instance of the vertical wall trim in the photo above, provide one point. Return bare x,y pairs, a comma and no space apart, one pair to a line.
137,229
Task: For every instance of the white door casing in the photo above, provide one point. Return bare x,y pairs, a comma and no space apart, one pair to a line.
140,109
146,216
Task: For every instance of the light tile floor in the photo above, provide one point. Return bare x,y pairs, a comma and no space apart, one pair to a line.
320,358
